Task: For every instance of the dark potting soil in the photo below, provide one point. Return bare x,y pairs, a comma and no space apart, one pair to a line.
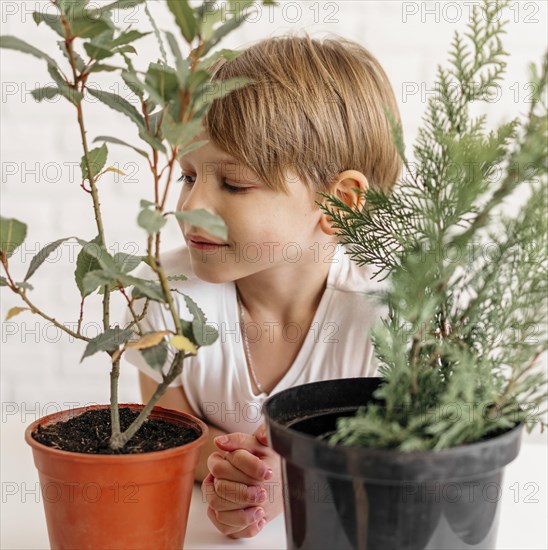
90,431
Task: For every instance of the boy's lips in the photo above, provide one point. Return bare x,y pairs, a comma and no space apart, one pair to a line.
199,240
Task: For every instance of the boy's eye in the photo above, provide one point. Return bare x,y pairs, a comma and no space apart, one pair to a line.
234,189
190,180
184,178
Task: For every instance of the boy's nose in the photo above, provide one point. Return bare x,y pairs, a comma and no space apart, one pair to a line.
199,196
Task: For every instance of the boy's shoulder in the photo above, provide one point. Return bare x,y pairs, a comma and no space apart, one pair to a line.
177,262
349,276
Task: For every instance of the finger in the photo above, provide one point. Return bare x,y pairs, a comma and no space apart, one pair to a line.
237,440
221,468
236,531
238,466
240,519
223,528
239,493
249,464
218,503
213,499
260,435
250,531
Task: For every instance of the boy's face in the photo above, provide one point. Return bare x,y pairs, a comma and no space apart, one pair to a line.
266,228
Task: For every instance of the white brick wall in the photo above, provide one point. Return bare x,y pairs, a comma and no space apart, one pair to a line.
409,38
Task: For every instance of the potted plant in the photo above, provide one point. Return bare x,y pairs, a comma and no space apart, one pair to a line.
414,458
121,475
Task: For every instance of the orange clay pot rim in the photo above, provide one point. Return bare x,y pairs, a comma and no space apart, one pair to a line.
134,457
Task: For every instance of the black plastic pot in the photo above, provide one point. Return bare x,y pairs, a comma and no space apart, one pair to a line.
342,497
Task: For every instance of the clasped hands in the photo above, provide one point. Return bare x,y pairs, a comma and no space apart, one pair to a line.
243,487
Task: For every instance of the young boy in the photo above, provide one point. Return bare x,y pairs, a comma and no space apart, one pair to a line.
288,302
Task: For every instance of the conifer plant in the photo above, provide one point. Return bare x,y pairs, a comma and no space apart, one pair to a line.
460,350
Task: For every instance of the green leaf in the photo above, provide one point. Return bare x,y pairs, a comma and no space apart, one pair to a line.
88,27
3,281
163,80
209,18
177,278
46,92
117,141
180,134
126,49
127,37
133,81
110,340
106,261
209,91
144,288
192,147
156,356
151,220
184,17
144,203
97,52
219,33
24,284
203,334
12,235
39,259
121,5
74,96
98,278
52,20
14,43
70,8
101,67
155,142
182,65
203,219
127,262
97,159
80,65
119,104
85,263
206,63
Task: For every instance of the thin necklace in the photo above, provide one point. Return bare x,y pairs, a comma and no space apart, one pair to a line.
246,345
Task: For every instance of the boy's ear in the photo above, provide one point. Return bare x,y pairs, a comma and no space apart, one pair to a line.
344,188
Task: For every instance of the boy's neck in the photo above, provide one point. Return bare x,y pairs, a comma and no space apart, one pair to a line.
287,293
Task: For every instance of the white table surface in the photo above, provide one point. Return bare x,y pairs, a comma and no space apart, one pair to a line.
522,526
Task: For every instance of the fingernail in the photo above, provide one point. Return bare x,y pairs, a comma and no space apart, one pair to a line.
261,497
222,439
252,493
261,523
268,474
259,513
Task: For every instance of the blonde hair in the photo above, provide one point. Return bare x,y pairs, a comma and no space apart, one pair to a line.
315,107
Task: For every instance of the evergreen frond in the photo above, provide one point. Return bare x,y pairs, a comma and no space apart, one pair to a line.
467,298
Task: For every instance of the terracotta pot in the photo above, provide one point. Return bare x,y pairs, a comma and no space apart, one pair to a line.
137,501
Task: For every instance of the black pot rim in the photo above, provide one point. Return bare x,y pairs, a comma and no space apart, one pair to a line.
380,453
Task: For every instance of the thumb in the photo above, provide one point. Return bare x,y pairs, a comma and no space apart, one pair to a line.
260,434
234,441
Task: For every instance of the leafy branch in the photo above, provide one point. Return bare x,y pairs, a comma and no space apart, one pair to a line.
173,102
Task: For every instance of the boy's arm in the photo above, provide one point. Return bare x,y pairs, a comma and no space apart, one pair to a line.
175,398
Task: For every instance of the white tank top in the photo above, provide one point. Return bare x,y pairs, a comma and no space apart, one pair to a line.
216,381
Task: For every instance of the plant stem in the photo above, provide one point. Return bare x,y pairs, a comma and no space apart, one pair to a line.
114,411
130,306
34,309
118,441
115,372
